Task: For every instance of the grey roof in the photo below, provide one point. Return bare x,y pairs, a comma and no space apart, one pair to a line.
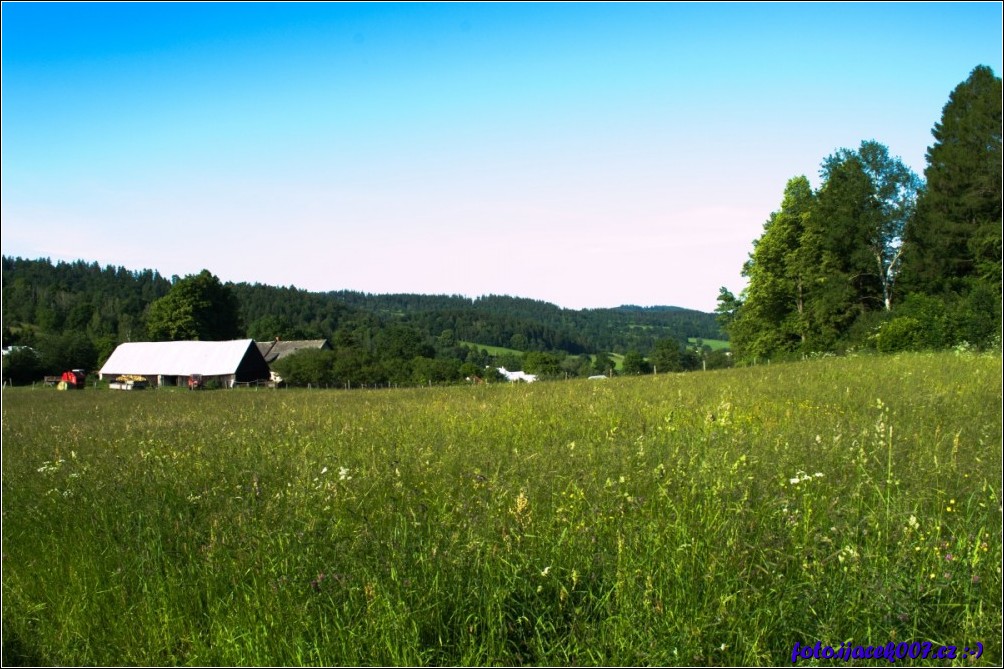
177,358
280,348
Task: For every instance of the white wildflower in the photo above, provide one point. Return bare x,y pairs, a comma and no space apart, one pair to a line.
802,477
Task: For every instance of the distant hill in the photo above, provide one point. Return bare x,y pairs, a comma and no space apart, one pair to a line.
84,310
527,324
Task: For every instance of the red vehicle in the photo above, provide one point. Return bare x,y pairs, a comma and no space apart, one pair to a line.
195,381
72,380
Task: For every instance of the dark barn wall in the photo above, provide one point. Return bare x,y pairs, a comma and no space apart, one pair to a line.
253,366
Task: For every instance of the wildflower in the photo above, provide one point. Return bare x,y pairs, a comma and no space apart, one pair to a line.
316,583
343,474
546,571
848,552
802,477
521,508
913,522
324,471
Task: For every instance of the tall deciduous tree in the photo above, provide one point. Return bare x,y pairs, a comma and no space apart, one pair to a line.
878,222
196,307
955,239
773,304
838,230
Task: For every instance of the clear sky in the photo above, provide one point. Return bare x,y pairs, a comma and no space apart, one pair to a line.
588,155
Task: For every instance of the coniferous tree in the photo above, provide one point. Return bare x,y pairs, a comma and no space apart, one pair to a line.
665,356
955,238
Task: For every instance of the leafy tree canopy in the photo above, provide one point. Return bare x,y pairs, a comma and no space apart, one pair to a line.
197,307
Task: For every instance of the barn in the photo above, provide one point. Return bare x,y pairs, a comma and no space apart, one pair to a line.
171,363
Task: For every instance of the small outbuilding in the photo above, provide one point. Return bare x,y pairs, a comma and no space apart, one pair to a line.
172,363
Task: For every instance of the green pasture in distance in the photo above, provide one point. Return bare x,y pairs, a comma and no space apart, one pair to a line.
492,350
617,358
712,519
715,344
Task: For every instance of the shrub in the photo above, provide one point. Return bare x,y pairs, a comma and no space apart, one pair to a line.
899,334
21,365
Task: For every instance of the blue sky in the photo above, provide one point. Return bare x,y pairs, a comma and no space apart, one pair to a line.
588,155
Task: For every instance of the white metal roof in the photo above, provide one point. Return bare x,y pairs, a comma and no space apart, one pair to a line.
177,358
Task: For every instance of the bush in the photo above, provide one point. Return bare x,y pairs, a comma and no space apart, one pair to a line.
977,319
22,365
635,363
899,334
308,367
933,315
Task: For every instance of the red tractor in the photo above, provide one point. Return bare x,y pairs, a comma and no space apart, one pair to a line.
72,380
195,381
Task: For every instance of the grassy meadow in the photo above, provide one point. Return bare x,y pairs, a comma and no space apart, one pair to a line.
713,344
707,518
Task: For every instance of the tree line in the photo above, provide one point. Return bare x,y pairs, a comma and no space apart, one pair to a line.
72,315
877,257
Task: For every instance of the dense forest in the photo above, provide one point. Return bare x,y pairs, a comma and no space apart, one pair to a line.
72,315
878,258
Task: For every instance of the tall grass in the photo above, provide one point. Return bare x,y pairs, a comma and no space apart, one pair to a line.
712,518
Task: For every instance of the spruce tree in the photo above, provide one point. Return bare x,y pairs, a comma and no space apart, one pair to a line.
954,241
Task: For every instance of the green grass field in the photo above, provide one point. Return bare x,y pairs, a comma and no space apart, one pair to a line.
492,350
707,518
714,344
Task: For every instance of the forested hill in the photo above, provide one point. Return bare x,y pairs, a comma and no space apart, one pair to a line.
83,310
534,325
